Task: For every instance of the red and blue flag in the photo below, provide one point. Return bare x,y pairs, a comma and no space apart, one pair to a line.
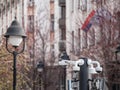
87,24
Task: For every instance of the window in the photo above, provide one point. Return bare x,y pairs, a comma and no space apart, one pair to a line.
78,4
13,2
63,12
52,50
52,25
52,46
0,12
75,80
62,78
8,5
31,0
62,45
51,1
30,23
73,41
116,87
79,37
52,16
83,40
78,44
3,9
52,22
83,5
63,34
72,5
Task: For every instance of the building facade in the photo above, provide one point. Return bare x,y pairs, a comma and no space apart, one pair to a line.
71,15
57,25
11,9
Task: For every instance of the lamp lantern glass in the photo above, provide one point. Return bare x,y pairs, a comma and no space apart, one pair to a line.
64,56
40,66
15,40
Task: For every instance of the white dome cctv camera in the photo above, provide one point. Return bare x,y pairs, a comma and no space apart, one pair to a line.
76,68
98,69
62,63
91,69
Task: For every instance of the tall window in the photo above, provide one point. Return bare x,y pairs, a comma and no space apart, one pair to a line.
51,0
75,80
62,44
13,2
73,41
79,39
52,25
0,12
62,78
116,87
63,34
8,5
83,39
72,5
30,23
63,12
52,22
83,5
78,4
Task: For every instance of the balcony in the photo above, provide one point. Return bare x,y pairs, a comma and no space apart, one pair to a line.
62,2
51,1
62,45
62,23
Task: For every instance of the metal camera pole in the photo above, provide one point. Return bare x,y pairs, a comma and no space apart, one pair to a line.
83,83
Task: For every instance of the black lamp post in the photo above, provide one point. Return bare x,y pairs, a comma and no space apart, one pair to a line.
15,35
64,56
116,52
40,67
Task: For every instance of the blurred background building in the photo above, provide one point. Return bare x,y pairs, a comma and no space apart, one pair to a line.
100,39
54,26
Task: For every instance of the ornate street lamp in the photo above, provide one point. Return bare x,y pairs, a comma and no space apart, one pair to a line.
40,67
64,57
116,53
15,35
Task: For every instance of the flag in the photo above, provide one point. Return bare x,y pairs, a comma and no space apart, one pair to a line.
87,24
96,17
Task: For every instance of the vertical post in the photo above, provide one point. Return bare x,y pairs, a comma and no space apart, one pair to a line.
83,84
40,81
64,77
14,70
